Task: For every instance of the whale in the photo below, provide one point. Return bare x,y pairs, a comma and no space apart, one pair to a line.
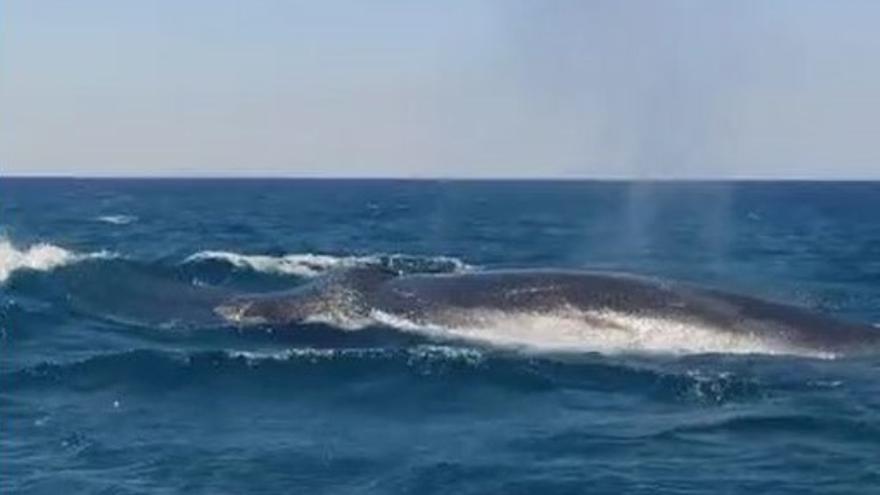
571,308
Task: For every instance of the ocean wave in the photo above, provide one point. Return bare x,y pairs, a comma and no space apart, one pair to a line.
309,265
40,257
158,369
117,219
279,370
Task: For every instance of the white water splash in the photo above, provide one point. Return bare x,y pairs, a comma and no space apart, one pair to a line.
39,257
421,353
300,265
311,265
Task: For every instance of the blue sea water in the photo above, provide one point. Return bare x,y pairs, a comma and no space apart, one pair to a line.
117,378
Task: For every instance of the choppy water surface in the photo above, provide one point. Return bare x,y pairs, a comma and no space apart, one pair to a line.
117,375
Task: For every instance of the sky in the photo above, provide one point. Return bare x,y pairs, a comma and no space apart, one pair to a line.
459,88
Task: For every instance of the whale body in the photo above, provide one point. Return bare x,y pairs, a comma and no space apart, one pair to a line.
561,308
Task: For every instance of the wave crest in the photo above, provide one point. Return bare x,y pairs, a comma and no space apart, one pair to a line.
41,257
309,265
278,371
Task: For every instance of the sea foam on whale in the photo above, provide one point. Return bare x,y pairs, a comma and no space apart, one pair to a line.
600,331
566,330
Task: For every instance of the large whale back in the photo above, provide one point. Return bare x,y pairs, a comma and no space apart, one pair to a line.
596,296
601,302
528,289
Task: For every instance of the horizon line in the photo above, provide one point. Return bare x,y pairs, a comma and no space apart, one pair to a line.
56,176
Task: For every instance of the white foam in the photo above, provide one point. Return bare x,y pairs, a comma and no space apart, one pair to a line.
312,265
300,265
421,353
253,357
39,257
117,219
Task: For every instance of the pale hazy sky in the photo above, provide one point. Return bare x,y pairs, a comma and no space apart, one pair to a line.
467,88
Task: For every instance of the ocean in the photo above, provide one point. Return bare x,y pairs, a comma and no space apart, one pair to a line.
118,377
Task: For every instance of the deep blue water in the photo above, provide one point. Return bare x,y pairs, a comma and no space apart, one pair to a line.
117,378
